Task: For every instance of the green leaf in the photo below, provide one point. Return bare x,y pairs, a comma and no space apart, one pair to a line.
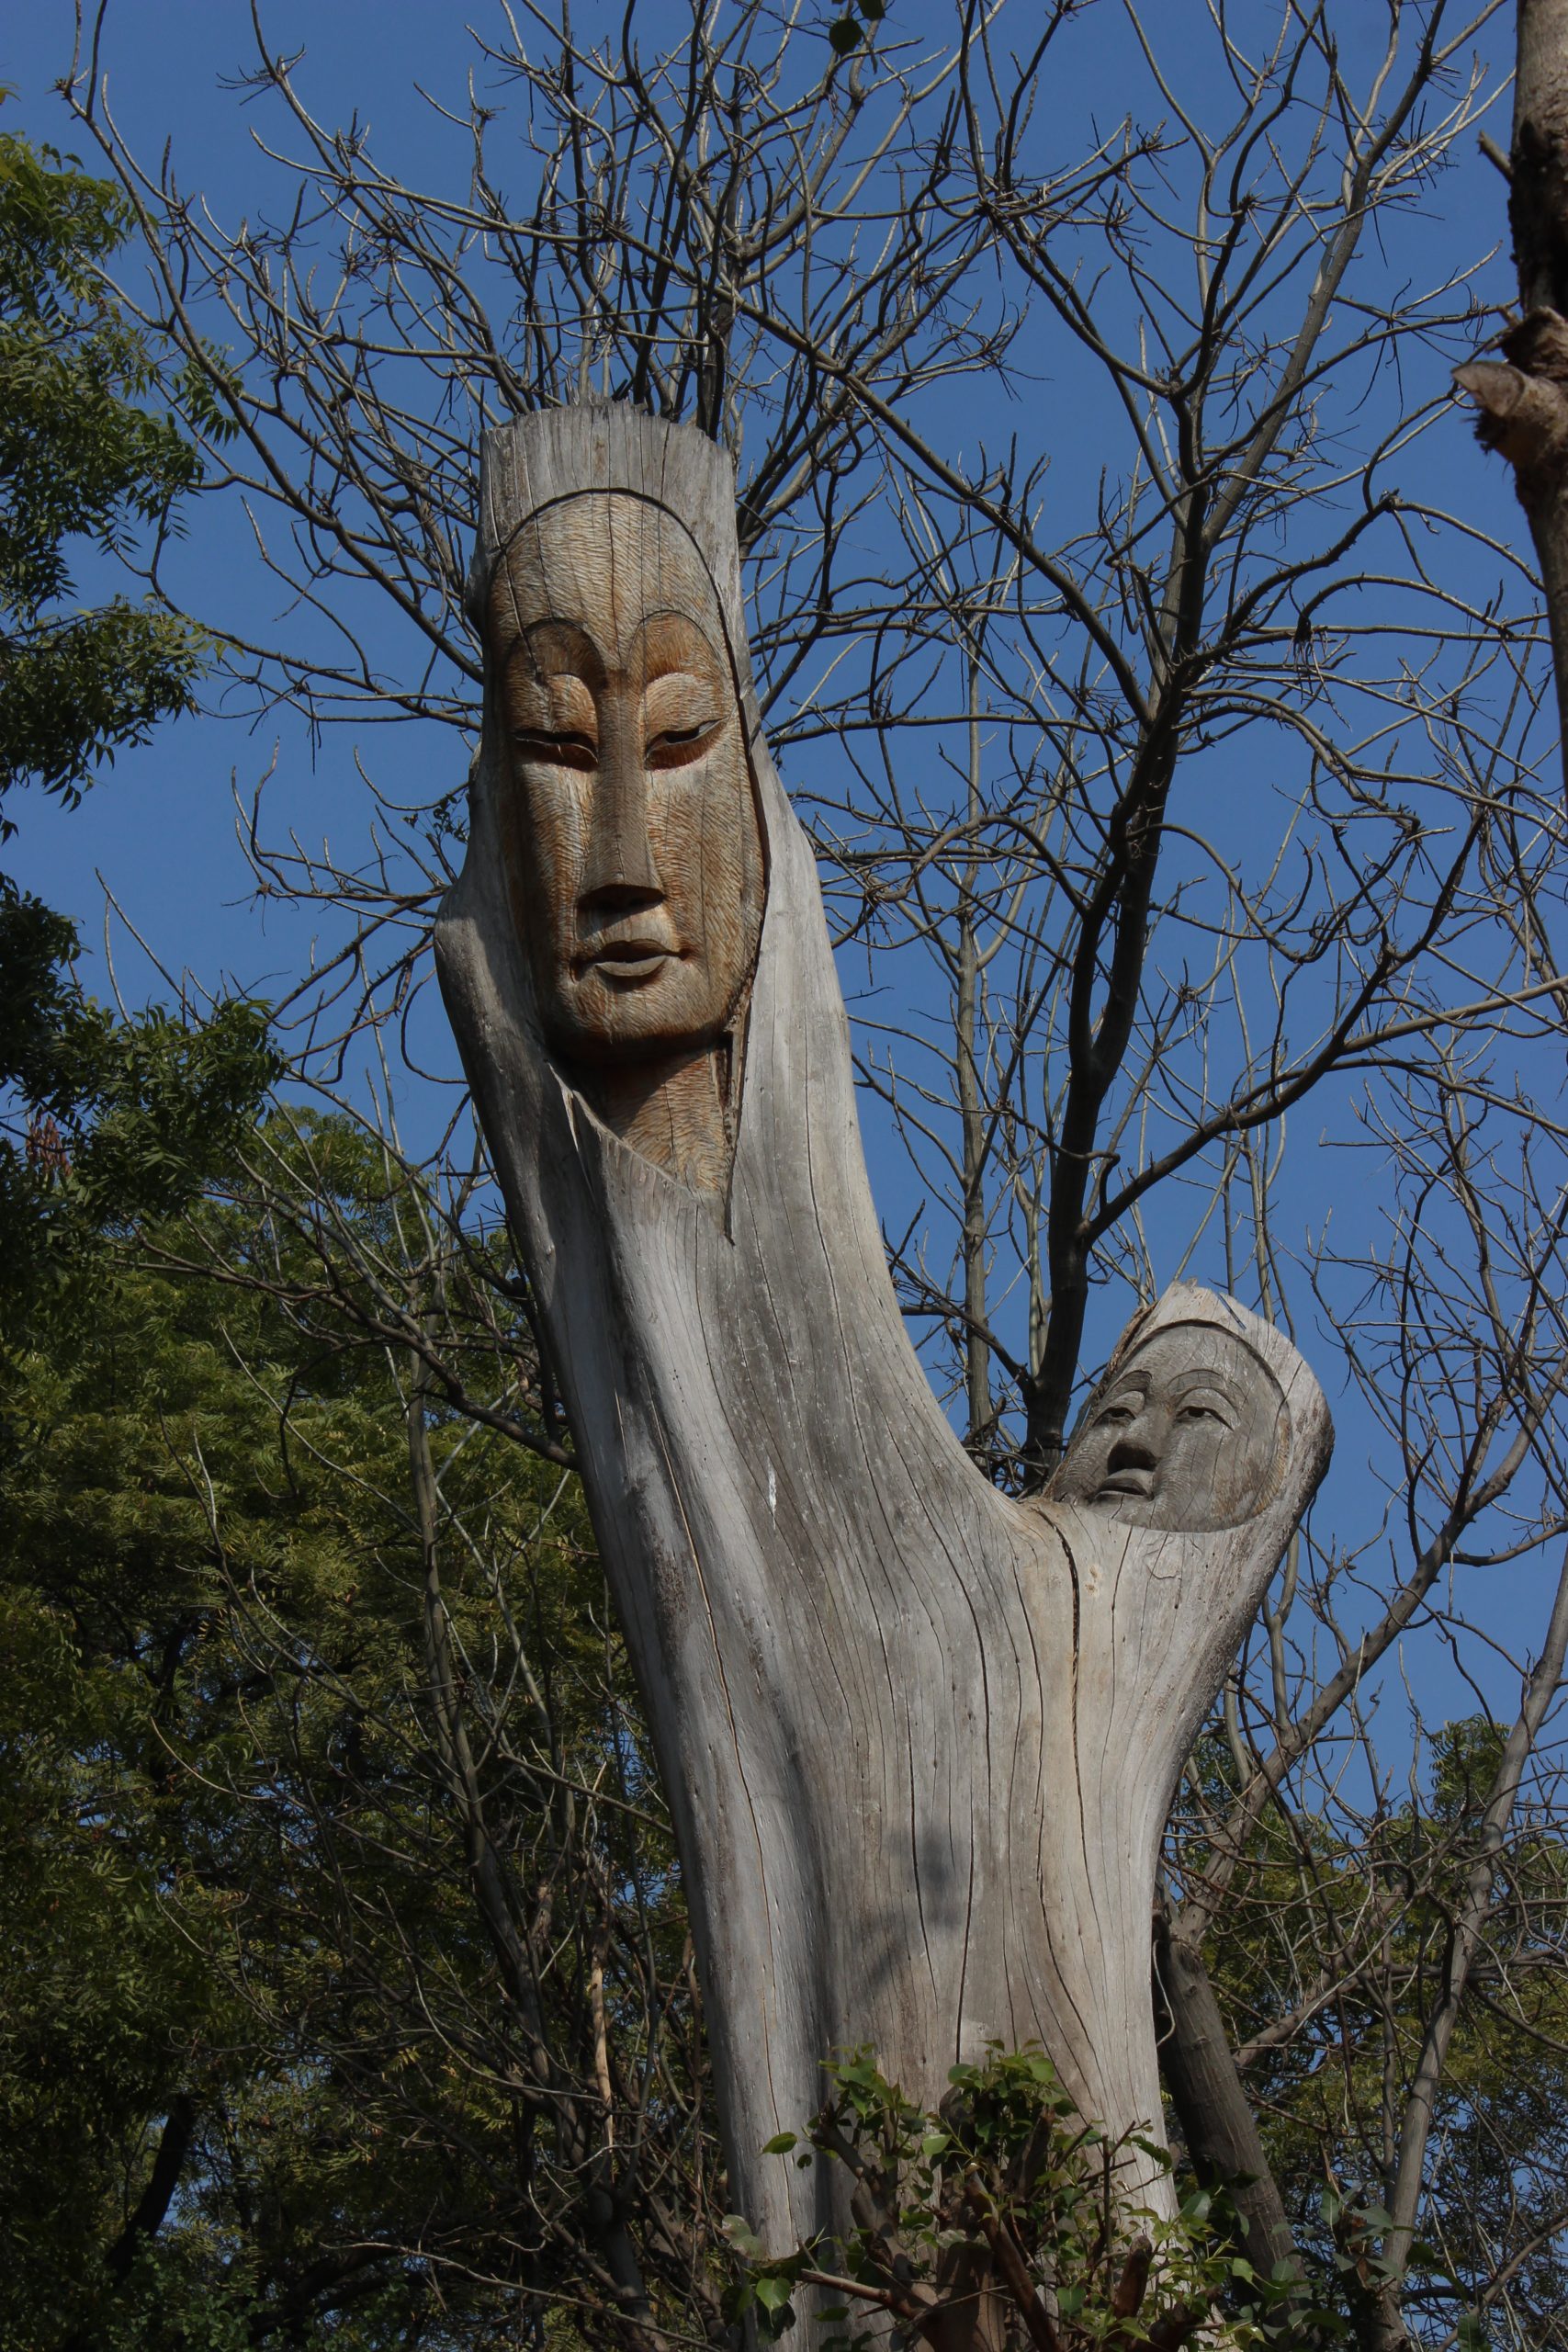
780,2144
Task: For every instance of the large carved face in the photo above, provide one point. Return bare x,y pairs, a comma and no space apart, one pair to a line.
1189,1433
635,844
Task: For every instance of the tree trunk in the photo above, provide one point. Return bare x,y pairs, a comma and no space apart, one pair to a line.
1211,2106
1523,398
919,1740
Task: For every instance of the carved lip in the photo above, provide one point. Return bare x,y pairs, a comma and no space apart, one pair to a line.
629,961
1127,1482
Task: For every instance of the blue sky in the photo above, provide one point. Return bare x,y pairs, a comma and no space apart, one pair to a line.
160,830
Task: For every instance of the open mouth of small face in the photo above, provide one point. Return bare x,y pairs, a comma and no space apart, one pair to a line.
1124,1482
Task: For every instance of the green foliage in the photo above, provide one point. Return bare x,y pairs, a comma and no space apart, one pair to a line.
1368,1917
102,1122
236,1908
82,456
847,33
1003,2209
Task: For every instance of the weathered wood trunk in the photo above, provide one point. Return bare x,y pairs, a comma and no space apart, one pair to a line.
918,1739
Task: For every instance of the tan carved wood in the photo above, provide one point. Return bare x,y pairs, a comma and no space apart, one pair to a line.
918,1739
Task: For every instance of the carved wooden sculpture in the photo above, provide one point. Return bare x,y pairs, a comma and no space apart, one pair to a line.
918,1739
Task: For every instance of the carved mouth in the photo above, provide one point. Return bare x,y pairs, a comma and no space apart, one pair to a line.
629,961
1125,1482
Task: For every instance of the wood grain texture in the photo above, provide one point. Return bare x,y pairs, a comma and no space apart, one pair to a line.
919,1740
630,832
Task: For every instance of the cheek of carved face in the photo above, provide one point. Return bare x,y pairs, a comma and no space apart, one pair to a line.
1188,1435
635,835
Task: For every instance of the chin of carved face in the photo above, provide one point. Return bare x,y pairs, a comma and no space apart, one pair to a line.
636,853
1188,1435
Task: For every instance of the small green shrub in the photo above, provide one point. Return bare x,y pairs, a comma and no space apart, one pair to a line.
1002,2219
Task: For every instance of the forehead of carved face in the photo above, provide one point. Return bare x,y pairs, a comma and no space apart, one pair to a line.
1189,1433
632,833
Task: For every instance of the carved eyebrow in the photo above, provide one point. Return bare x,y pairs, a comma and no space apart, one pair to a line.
555,646
1186,1383
672,639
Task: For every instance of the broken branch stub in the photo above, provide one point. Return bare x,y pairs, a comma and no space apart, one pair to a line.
918,1739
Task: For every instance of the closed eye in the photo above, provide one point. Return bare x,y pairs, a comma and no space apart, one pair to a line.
569,750
671,745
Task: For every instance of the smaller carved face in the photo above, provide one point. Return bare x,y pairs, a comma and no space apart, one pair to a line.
634,839
1189,1434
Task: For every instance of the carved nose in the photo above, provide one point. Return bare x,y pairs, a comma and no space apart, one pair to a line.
1131,1453
619,870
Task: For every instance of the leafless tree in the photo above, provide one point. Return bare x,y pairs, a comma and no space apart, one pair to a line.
1172,702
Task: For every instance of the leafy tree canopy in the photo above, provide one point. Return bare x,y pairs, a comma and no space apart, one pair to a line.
1282,1955
101,1121
83,457
245,2086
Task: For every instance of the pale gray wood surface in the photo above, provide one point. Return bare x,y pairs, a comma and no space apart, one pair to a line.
919,1740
